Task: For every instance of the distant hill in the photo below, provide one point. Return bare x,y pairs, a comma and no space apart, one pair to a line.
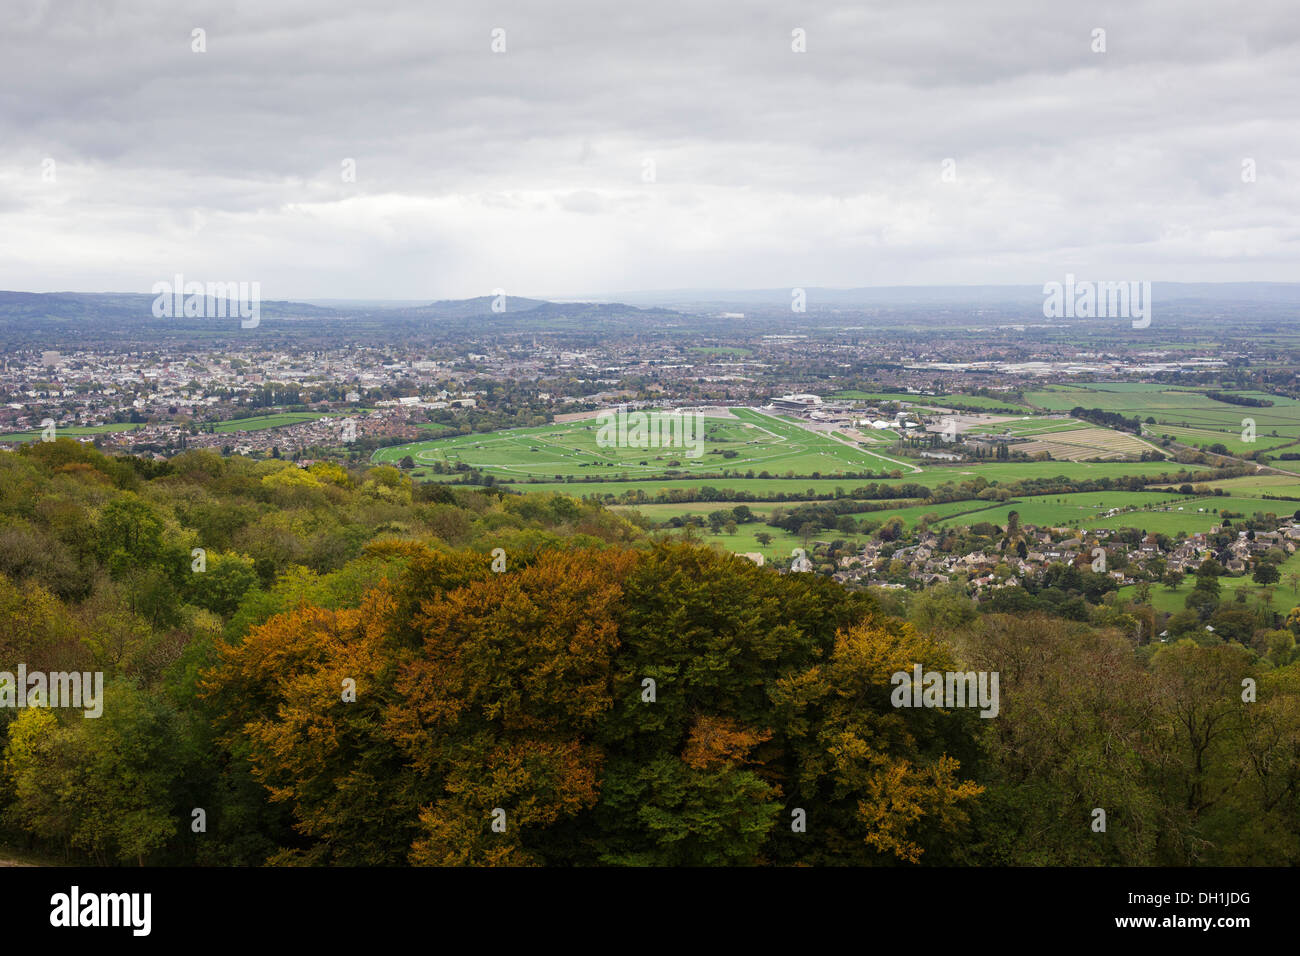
78,320
515,306
970,296
129,305
122,305
1266,301
480,305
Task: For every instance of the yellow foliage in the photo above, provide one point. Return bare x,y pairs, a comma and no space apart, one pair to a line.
900,796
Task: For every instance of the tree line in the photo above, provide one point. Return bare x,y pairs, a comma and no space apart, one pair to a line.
370,672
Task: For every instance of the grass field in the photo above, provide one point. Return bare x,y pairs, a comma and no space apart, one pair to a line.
910,514
701,509
1166,514
1030,426
1233,439
781,546
1279,485
1151,513
1284,596
567,457
1124,397
948,513
262,422
72,431
759,442
1182,408
930,477
933,401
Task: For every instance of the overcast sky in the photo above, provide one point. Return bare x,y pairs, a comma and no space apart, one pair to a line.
525,170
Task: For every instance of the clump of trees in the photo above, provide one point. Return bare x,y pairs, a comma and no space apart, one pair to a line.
1099,416
343,668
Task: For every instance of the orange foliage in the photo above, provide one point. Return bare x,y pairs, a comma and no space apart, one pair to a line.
715,741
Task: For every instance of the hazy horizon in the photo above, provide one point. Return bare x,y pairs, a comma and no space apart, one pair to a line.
843,296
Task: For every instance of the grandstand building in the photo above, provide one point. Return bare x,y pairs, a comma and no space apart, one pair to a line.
797,403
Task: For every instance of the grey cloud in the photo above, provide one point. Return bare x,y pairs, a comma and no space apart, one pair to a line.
823,166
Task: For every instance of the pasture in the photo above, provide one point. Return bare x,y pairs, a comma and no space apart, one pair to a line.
749,440
1150,512
72,431
1280,486
932,401
1181,408
768,488
262,422
1281,596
